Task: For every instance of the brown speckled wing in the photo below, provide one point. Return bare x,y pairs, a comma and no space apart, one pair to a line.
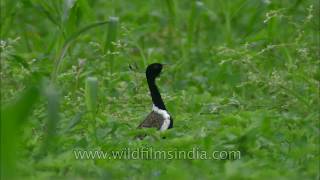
154,120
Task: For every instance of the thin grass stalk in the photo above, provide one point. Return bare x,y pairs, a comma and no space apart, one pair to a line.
193,20
170,5
91,99
111,39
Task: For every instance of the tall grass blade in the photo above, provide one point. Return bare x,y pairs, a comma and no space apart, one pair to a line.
67,44
7,15
49,11
171,16
52,97
13,117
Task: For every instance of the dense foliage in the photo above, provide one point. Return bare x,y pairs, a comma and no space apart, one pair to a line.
242,75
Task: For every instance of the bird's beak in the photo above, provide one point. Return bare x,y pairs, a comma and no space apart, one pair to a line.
165,65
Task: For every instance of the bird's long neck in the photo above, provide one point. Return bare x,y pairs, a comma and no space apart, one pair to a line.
155,94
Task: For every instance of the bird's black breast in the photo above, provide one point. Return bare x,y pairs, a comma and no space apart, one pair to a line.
171,123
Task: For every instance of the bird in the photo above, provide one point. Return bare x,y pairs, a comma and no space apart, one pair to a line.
159,117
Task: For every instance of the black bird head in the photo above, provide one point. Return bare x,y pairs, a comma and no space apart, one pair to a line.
153,70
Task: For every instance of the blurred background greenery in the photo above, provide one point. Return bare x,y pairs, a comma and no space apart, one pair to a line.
243,75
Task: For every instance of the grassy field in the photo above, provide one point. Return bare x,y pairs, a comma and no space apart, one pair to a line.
243,76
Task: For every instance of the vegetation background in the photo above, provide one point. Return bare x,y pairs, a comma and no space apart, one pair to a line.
243,75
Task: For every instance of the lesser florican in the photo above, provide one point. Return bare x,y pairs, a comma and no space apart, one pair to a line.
159,117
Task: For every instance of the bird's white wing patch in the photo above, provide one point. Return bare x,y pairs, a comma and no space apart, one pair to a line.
165,115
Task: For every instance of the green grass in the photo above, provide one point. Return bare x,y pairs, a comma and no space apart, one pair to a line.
243,75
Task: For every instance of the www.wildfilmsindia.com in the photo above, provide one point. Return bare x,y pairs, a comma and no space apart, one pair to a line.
151,153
